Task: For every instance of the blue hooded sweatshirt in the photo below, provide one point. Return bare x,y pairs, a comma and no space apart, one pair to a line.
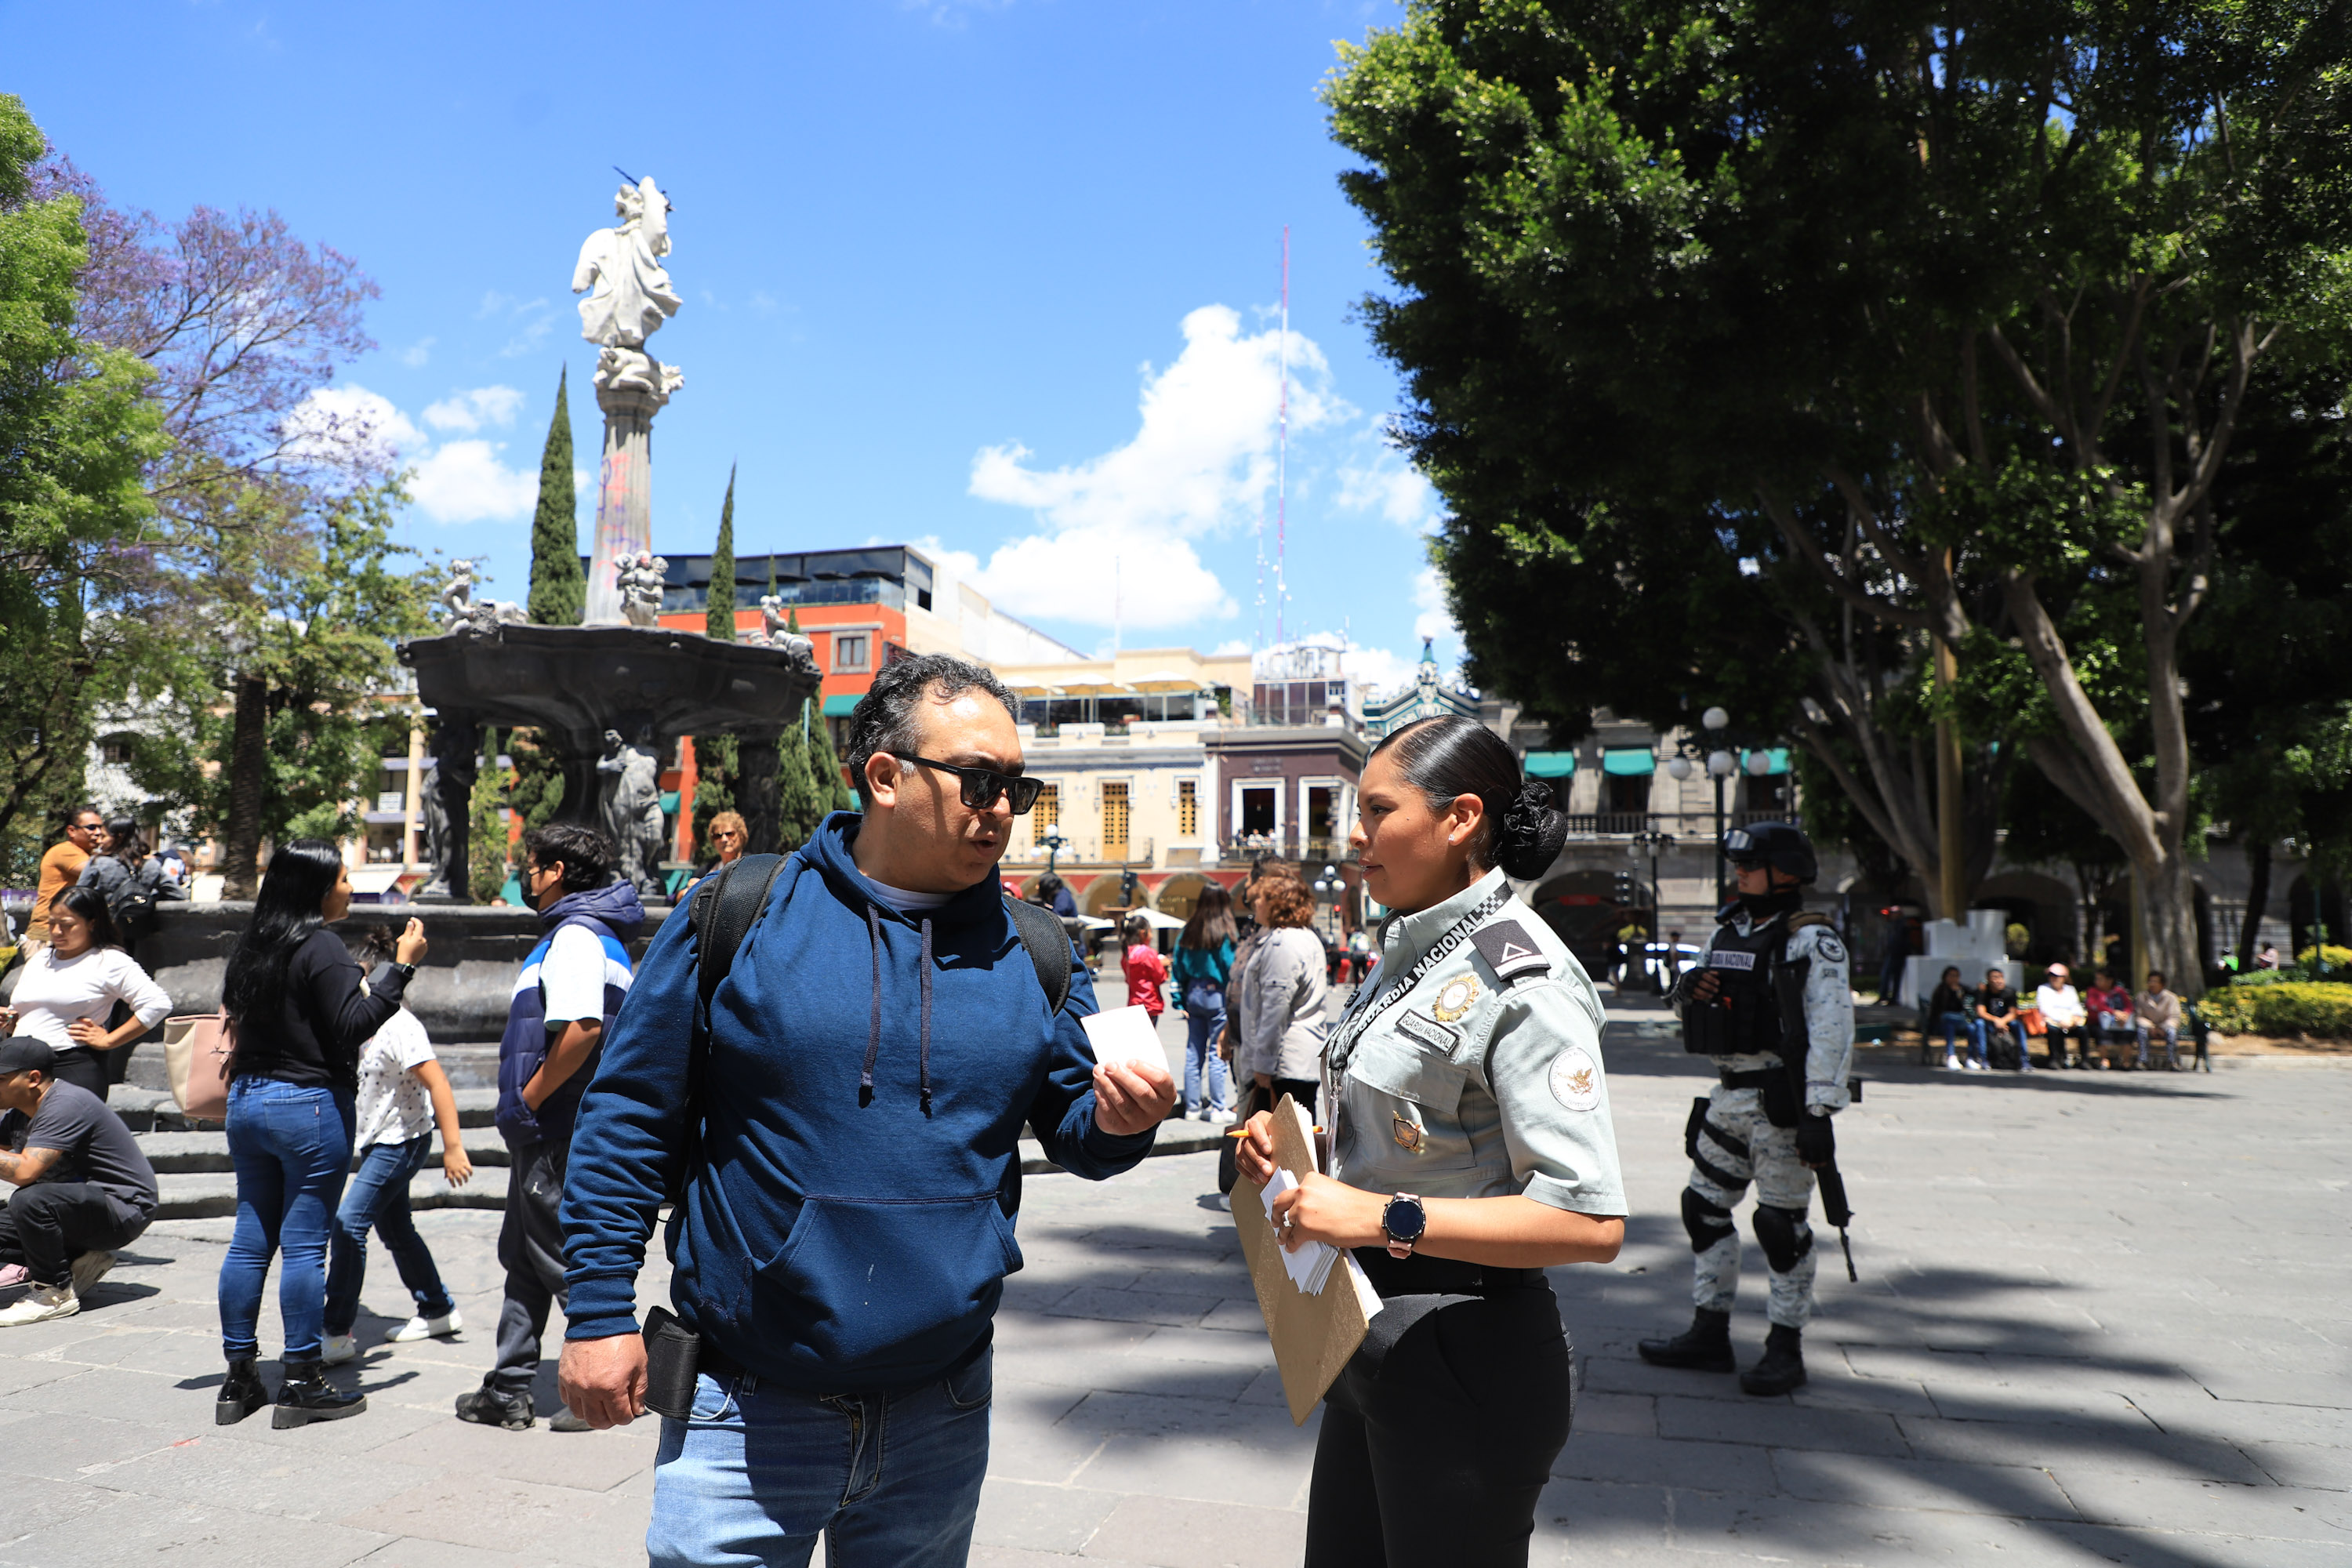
612,914
849,1227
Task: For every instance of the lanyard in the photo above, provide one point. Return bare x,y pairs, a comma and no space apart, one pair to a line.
1358,1019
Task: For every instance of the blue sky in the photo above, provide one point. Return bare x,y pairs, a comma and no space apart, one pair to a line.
997,275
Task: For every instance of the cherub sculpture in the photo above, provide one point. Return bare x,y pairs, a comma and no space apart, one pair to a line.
641,582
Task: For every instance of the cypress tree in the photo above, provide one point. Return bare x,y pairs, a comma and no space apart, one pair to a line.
833,789
800,805
486,845
559,588
718,614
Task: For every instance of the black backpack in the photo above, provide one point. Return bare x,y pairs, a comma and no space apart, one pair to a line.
721,910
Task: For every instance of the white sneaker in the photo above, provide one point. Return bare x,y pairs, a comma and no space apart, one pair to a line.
1220,1119
417,1329
39,1304
336,1349
88,1270
1951,1064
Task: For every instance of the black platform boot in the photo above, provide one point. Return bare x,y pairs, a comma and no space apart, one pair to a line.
241,1394
1783,1366
1706,1346
306,1396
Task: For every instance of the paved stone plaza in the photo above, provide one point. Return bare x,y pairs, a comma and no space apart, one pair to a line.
2101,1319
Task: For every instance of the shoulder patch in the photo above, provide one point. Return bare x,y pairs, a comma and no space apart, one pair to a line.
1510,951
1830,948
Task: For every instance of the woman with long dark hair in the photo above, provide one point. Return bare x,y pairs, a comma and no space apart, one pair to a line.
302,1015
1472,1149
1204,961
71,988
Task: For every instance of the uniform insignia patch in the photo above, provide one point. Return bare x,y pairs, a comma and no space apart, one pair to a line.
1830,948
1455,997
1436,1037
1408,1134
1510,951
1575,1078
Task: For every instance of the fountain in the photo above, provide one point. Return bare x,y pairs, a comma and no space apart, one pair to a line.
609,696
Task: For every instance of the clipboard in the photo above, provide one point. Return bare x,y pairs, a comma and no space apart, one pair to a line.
1312,1336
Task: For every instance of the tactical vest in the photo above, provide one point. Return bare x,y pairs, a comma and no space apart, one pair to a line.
1744,1018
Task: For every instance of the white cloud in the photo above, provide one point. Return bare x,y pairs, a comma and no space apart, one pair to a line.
1201,461
1393,488
463,481
1435,619
346,422
1231,647
414,355
466,412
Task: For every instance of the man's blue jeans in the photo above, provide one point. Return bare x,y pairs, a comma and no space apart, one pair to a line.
1204,1014
1955,1026
376,1198
890,1481
291,1146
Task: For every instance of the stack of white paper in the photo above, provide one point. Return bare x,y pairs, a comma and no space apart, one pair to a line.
1310,1266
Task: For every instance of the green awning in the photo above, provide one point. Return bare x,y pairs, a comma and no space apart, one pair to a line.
1777,757
1551,764
670,802
1629,762
840,705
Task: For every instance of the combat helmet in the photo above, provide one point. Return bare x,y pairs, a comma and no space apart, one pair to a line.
1779,845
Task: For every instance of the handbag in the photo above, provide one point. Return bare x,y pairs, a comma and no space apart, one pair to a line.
199,1053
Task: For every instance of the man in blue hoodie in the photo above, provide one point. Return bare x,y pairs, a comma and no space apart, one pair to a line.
875,1051
569,991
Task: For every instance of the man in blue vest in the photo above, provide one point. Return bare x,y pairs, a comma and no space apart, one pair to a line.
570,989
881,1038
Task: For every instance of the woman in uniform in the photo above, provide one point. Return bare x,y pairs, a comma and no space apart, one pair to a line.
1471,1150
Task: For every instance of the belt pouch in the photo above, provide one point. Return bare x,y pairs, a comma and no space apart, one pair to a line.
1780,1098
673,1353
1690,1128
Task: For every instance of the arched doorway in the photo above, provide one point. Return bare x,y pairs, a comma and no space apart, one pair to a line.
1100,894
1178,894
1581,908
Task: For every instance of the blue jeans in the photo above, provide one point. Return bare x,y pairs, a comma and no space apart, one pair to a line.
889,1480
1981,1032
291,1146
377,1197
1956,1024
1204,1014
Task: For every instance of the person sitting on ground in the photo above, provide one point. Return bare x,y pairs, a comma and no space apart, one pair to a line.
2158,1009
84,1191
1949,1006
69,988
1996,1008
403,1094
61,866
2063,1015
1146,970
132,881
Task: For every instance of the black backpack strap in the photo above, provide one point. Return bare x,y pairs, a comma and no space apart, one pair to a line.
1041,932
719,912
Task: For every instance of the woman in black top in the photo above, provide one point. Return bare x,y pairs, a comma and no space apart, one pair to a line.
1951,1006
302,1015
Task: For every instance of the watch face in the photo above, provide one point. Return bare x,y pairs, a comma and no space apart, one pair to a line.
1404,1220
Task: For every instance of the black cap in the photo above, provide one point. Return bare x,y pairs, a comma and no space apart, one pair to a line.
1779,845
23,1055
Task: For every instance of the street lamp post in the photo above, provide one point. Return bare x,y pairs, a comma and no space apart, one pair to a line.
1654,843
1720,766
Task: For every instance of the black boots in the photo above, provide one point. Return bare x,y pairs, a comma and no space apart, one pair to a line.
241,1394
1706,1347
489,1405
1783,1366
306,1396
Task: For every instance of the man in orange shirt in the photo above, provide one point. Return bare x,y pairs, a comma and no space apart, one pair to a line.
60,868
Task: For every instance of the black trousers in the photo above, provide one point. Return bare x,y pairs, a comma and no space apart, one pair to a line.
50,1224
530,1245
1439,1454
82,1069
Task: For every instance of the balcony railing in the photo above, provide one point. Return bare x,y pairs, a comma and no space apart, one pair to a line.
1083,851
1289,847
1686,824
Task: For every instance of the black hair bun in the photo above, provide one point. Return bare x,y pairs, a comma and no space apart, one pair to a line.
1533,832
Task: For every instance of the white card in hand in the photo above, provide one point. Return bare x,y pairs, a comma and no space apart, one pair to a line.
1310,1266
1125,1036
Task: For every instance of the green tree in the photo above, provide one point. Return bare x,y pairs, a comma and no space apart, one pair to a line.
537,793
559,589
287,663
716,767
83,606
800,804
718,610
485,843
1949,326
833,789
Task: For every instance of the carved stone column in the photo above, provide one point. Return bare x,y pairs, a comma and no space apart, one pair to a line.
448,813
624,497
756,795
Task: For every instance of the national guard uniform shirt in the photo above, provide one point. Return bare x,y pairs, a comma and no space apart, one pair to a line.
1487,1080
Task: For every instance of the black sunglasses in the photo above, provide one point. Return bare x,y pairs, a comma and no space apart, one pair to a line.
982,785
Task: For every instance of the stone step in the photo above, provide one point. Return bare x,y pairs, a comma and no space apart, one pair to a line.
152,1109
190,1153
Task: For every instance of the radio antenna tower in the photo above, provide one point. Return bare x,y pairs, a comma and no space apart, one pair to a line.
1281,456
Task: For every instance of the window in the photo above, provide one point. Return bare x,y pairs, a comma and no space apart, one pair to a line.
851,650
1188,810
1319,799
115,751
1258,808
1626,794
1114,821
1046,814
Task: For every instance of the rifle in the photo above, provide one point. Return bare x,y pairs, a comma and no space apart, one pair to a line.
1796,1042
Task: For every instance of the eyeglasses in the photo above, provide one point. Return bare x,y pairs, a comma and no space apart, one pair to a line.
982,785
725,833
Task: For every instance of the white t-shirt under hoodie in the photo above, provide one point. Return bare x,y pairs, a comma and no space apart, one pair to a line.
54,991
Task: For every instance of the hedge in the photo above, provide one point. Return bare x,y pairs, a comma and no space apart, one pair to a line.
2319,1009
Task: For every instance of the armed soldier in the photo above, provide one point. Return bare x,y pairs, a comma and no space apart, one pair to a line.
1769,1003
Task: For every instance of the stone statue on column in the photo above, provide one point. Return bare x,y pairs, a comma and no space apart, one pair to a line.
448,808
629,298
